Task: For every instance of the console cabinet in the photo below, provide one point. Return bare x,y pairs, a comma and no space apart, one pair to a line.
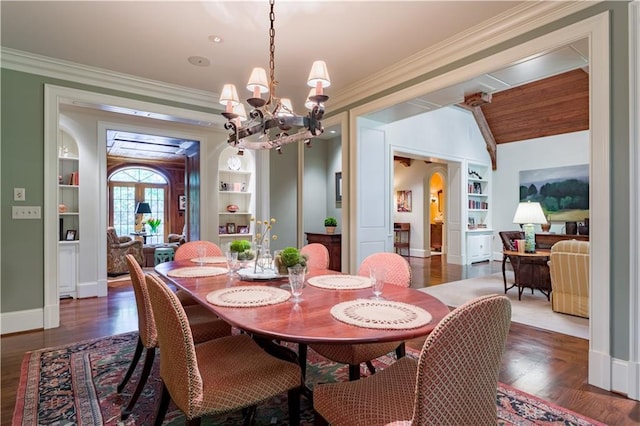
333,243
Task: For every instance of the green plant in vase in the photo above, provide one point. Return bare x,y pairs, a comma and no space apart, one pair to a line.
289,257
153,223
243,248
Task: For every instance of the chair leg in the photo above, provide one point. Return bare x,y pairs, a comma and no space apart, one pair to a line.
504,273
319,420
354,372
163,405
293,400
371,368
132,366
401,351
249,415
146,369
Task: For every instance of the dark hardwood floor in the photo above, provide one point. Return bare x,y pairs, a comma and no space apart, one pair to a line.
549,365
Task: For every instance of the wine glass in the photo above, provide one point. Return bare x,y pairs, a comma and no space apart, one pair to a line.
377,274
232,262
202,252
296,280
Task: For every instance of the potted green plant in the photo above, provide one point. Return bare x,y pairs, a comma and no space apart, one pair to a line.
243,248
330,224
288,257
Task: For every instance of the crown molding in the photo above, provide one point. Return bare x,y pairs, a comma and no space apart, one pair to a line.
56,68
512,23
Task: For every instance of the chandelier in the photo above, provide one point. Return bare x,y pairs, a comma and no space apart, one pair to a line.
272,122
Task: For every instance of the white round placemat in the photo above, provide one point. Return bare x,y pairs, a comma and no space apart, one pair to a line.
210,259
197,271
248,296
340,282
381,314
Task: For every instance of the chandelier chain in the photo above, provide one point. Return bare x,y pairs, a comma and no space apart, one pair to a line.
272,50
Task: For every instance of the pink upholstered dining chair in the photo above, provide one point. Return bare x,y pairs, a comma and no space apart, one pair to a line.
398,272
317,256
189,250
204,325
454,381
218,376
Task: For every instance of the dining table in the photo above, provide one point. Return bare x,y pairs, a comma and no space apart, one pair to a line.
311,319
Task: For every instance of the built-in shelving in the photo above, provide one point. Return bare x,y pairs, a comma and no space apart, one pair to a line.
478,204
235,184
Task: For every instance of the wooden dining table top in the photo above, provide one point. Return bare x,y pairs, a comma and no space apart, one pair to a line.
310,320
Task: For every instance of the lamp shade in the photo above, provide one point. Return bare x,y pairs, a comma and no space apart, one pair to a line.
319,74
309,104
241,111
258,81
143,208
528,212
286,109
229,95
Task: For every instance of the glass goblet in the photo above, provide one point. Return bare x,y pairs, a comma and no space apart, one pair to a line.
296,281
377,275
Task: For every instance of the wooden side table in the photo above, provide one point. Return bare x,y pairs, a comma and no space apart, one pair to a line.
402,237
333,243
531,271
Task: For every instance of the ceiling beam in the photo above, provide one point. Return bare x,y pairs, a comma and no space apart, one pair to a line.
474,104
405,161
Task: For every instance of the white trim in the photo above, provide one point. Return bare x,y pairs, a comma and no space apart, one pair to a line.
57,68
596,29
620,370
503,27
13,322
633,376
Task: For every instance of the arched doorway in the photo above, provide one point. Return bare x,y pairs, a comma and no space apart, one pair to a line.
436,213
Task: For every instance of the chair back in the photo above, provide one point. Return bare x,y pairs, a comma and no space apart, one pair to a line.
459,364
189,250
112,236
178,364
508,237
569,269
317,256
398,269
146,323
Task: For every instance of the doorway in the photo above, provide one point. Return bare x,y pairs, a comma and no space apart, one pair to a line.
436,213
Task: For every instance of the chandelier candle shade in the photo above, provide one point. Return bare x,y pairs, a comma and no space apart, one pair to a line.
270,120
528,214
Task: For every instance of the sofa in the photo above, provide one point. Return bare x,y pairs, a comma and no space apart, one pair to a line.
569,268
118,248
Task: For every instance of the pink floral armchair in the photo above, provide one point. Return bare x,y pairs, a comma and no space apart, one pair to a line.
118,248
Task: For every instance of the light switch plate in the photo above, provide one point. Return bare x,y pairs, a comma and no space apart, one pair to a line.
19,194
26,212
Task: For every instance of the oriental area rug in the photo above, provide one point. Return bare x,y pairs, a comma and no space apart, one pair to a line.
76,384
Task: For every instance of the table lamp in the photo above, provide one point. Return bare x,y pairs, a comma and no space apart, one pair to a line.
528,214
142,208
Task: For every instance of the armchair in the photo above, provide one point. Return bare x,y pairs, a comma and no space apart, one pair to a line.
178,238
118,248
569,267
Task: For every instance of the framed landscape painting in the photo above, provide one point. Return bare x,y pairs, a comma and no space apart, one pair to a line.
563,192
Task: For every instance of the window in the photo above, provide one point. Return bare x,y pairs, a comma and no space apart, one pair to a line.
130,186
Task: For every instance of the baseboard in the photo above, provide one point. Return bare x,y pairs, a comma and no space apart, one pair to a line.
92,289
14,322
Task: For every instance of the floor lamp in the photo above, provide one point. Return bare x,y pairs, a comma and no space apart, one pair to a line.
528,214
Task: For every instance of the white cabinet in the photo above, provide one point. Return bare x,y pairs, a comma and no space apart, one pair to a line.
236,203
479,246
68,215
67,268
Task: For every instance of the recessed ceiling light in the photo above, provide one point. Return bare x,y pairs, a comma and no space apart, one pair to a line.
199,61
215,39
